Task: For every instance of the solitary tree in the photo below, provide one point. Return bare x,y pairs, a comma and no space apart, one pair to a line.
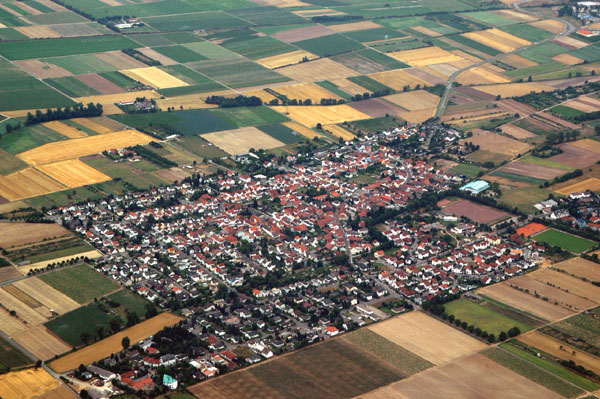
125,342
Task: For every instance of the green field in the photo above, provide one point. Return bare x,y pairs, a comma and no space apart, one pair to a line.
140,175
483,317
368,60
371,35
582,331
10,163
237,72
267,15
71,251
249,116
208,20
129,300
334,89
119,79
515,177
81,283
27,138
565,241
524,198
79,64
562,111
465,169
368,83
544,162
197,83
87,319
210,50
72,87
329,45
489,18
527,32
281,133
10,357
179,53
258,47
202,148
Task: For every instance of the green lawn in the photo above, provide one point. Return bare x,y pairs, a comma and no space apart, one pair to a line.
565,241
483,317
524,198
466,169
544,162
82,283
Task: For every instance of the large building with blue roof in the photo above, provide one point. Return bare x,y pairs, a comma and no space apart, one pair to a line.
476,187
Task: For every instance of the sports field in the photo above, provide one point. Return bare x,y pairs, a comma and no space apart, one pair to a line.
565,241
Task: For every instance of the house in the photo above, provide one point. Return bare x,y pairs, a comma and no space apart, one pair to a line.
169,382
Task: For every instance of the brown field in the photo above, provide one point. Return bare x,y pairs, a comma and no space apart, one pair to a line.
120,60
277,61
560,123
75,148
551,25
580,267
504,293
240,141
100,124
115,98
28,183
426,31
397,79
474,93
100,84
497,39
154,77
514,89
492,142
427,337
9,273
553,294
304,91
570,42
414,100
240,385
481,75
282,3
575,157
354,26
317,70
191,101
37,31
561,350
585,104
46,295
592,184
587,144
112,109
476,212
42,70
24,312
112,344
61,392
516,131
517,61
376,107
26,384
17,234
571,284
303,130
155,55
515,16
418,116
42,343
568,59
473,377
511,105
422,74
90,254
73,173
338,131
28,8
330,115
441,71
426,56
308,32
64,129
532,170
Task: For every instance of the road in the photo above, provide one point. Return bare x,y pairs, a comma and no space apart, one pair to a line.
570,29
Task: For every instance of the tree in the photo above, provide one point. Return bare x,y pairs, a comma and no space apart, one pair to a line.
38,364
125,342
513,332
502,336
491,338
85,337
115,324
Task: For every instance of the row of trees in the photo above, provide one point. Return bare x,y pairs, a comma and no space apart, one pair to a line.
75,111
239,101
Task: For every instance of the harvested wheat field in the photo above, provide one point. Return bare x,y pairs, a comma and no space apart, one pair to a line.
281,60
426,31
571,284
527,302
474,377
60,392
41,343
515,15
518,61
17,234
329,115
516,132
154,77
397,79
427,337
34,266
240,141
317,70
592,184
481,75
587,144
42,70
585,104
418,116
550,25
27,183
303,130
118,97
64,129
26,384
37,31
414,100
561,350
305,91
492,142
75,148
355,26
497,39
339,131
112,344
570,42
100,124
568,59
155,55
426,56
514,89
46,295
9,273
73,173
580,267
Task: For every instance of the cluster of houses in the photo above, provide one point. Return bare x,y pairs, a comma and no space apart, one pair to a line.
580,210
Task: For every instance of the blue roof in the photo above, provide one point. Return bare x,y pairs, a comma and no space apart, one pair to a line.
167,379
476,185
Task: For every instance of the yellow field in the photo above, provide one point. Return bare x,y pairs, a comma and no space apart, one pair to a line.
304,91
41,343
426,31
28,183
112,109
303,130
91,124
37,31
551,25
414,100
64,129
568,59
240,141
75,148
426,56
339,131
26,384
354,26
497,39
46,295
119,97
397,79
318,12
112,344
317,70
191,101
154,77
281,60
515,16
73,173
326,115
348,86
517,61
34,266
478,118
514,89
481,75
588,184
418,116
587,144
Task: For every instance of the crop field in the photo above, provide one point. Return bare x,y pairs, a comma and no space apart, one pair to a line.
45,295
592,184
584,104
81,283
73,173
427,56
339,131
311,115
580,267
575,157
42,343
414,100
476,212
240,141
317,70
304,91
112,344
369,61
551,25
64,129
397,79
26,384
535,170
11,357
565,241
482,317
492,142
376,107
325,46
573,285
99,125
303,130
154,77
290,58
497,39
427,337
517,132
75,148
27,316
581,331
110,99
282,133
258,47
27,183
237,72
17,234
481,75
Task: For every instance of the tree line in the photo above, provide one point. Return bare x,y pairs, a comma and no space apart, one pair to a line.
239,101
68,112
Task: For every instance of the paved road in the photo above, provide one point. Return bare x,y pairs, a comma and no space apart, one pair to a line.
570,29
